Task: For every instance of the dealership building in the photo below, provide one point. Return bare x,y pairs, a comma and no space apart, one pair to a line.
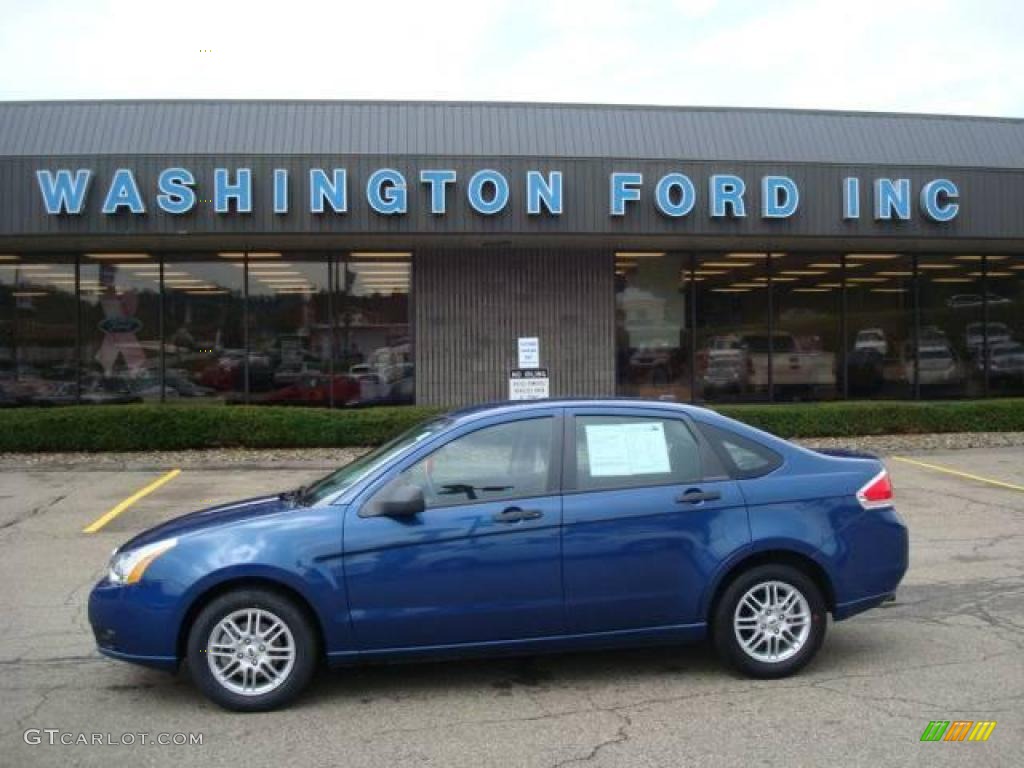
355,253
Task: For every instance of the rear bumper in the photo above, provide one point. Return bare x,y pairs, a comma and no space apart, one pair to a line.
874,554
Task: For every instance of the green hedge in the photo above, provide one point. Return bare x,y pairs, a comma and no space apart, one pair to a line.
175,427
887,417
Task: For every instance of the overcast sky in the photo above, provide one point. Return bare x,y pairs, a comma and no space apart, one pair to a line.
948,56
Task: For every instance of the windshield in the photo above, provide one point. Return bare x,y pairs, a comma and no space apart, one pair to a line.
348,475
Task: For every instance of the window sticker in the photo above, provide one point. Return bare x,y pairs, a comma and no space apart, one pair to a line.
617,450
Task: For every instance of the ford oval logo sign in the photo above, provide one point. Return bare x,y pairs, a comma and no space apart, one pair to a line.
120,325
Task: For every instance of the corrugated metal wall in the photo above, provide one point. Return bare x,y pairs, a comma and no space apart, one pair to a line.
479,129
470,306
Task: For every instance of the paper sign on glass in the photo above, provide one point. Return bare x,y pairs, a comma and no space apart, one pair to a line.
627,449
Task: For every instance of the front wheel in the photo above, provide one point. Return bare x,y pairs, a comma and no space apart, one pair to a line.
252,650
770,621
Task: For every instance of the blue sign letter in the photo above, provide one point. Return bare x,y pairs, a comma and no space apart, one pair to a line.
123,192
476,192
437,181
935,197
543,191
224,191
280,190
779,197
176,193
665,190
60,193
385,191
624,188
321,189
727,192
892,196
851,198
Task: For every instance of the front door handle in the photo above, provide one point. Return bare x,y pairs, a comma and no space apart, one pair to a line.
696,496
516,515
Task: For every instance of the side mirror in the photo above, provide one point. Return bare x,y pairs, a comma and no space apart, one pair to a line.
403,501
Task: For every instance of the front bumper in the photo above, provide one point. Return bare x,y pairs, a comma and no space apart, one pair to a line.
134,623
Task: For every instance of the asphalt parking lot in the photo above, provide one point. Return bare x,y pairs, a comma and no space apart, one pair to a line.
951,647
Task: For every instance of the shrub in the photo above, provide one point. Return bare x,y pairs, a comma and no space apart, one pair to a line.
854,418
177,427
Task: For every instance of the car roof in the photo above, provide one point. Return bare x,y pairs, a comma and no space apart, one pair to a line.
475,412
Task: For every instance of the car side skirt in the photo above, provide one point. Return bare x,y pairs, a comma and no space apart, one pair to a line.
664,635
165,663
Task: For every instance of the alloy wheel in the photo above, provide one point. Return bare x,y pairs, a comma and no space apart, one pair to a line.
251,651
772,621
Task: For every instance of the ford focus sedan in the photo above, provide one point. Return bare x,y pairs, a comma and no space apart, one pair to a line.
511,529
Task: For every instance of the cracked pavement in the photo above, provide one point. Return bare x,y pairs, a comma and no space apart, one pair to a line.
951,647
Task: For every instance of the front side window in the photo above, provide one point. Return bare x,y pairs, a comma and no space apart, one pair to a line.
352,473
496,463
632,451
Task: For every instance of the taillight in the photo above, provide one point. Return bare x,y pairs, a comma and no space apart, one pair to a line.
877,492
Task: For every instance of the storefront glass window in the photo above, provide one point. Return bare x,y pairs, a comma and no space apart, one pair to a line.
37,330
732,356
879,325
120,298
204,346
652,313
806,307
1005,279
375,363
289,329
952,335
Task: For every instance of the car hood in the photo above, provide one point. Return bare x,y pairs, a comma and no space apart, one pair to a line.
211,517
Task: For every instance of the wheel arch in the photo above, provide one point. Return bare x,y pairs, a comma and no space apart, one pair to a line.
213,591
775,556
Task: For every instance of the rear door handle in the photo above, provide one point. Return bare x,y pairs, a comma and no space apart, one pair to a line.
516,515
697,496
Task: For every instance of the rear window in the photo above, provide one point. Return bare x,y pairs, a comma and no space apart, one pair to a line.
743,457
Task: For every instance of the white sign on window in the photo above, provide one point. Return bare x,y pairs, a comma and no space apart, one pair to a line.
635,448
529,352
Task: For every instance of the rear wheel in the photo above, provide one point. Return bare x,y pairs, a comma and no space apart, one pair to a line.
252,650
770,621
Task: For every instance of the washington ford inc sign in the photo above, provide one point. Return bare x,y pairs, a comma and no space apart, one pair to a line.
326,191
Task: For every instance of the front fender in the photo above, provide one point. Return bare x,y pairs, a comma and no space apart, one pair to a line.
249,572
298,549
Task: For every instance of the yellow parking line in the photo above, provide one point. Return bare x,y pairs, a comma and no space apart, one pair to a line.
958,473
108,516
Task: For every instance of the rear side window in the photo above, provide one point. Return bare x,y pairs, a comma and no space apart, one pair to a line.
743,457
633,451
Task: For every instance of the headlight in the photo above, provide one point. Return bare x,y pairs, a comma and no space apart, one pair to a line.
128,567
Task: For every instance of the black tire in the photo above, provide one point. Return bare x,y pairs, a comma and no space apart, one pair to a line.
728,644
307,650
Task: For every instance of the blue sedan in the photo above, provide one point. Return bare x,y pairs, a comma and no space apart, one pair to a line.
515,528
